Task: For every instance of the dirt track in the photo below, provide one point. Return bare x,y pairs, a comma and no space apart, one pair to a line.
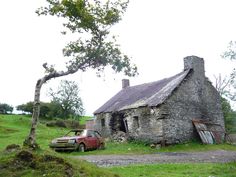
220,156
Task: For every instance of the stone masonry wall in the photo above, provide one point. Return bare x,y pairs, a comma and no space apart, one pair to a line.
190,101
105,129
144,124
182,106
212,104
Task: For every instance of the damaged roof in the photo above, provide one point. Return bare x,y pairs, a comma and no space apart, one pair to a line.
148,94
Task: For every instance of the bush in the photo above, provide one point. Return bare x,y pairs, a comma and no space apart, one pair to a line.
72,124
5,108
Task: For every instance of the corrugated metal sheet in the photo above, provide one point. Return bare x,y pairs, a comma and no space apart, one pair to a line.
209,132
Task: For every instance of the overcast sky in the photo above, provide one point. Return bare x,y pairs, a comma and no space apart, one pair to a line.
157,34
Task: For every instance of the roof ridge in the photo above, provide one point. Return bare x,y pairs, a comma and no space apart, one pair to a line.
147,94
166,78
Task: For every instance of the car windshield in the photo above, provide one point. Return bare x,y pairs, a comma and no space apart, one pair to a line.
76,133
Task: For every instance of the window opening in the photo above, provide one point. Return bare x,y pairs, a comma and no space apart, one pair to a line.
103,122
136,121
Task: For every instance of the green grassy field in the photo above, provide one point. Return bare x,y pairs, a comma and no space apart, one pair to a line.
14,129
178,170
82,120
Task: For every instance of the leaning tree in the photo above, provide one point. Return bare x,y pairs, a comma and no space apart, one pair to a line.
94,48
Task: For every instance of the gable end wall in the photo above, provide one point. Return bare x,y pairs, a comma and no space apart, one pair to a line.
191,100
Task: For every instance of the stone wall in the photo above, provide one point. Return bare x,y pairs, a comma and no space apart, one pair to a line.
182,106
195,98
212,104
102,122
144,124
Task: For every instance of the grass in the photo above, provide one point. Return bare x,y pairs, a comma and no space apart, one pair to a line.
83,119
14,129
134,148
120,148
178,170
197,146
48,164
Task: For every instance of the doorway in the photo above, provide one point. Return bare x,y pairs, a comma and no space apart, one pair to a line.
118,122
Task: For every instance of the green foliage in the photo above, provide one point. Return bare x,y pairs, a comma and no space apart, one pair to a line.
178,170
231,51
27,108
228,84
94,48
5,108
226,107
229,115
66,100
68,123
47,110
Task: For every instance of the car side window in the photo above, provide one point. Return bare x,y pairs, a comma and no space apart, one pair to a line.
91,134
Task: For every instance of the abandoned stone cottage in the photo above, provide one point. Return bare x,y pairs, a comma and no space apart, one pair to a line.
162,110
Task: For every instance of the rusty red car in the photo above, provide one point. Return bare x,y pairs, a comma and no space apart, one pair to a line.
78,140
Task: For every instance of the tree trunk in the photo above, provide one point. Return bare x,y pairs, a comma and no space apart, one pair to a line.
30,141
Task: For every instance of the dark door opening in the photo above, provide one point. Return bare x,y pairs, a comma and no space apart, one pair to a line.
118,123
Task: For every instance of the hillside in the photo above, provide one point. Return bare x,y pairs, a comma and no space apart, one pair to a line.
22,162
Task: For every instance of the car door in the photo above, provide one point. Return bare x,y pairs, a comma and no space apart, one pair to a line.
91,139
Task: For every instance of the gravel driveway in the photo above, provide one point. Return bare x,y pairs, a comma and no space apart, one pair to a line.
220,156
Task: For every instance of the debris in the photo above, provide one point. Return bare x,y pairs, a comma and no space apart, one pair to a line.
209,132
152,146
119,136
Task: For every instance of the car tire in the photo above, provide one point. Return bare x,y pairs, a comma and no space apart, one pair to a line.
81,147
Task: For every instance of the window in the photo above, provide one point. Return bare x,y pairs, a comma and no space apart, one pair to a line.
103,122
90,133
136,122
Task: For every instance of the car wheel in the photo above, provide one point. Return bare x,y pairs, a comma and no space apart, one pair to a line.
81,147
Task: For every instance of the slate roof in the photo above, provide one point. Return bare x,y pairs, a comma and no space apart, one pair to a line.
148,94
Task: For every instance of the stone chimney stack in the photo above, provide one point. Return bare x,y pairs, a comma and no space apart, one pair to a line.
195,63
125,83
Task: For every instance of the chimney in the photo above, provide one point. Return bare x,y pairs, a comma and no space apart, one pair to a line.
125,83
195,63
